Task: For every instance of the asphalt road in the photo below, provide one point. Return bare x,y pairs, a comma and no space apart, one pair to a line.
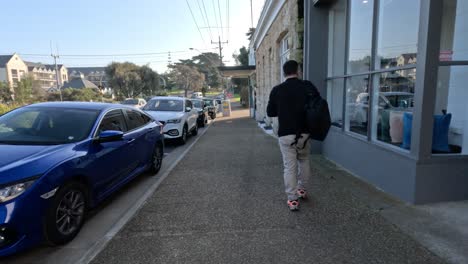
103,219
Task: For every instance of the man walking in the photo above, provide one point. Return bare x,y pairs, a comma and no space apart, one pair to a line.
287,102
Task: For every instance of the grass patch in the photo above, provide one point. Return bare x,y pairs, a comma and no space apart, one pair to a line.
236,98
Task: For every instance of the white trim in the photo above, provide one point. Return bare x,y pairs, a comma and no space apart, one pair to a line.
270,11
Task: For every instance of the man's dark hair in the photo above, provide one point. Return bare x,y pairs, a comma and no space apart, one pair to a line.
290,67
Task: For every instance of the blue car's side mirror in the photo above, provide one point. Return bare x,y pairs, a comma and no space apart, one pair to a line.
109,136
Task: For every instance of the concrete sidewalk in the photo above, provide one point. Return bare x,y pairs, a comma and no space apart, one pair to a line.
224,203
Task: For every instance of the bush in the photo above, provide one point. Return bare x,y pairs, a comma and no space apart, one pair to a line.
72,94
161,93
8,107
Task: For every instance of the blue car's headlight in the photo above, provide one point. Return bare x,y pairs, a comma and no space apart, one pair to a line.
12,191
174,121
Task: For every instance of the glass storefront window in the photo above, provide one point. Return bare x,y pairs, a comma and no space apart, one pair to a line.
357,104
397,33
360,35
454,38
337,39
335,96
452,107
393,97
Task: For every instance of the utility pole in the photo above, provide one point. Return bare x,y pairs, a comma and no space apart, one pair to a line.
56,56
251,13
220,49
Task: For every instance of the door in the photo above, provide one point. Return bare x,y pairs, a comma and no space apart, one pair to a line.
192,114
143,136
109,160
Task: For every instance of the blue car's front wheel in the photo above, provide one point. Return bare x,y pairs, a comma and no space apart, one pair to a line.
157,158
66,214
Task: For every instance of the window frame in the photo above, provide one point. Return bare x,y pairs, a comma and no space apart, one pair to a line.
103,116
372,73
440,64
127,119
283,53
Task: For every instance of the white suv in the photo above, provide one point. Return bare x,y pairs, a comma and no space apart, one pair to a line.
177,114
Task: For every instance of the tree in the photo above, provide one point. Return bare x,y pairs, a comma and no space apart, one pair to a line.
23,90
150,80
206,63
5,93
187,77
243,57
130,80
250,33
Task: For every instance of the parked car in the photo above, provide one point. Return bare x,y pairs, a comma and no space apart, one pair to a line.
177,114
197,95
199,105
58,160
387,100
211,106
135,102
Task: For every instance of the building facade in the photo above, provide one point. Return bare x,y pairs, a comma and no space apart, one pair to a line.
96,75
394,74
277,38
43,74
12,69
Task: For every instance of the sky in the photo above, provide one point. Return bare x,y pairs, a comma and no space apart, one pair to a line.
90,33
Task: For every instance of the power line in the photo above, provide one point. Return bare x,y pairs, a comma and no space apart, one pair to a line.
216,16
220,20
205,17
228,18
105,55
194,20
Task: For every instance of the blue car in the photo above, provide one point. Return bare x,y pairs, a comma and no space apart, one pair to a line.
58,160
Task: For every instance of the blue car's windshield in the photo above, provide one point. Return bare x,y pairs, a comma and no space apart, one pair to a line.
165,105
46,126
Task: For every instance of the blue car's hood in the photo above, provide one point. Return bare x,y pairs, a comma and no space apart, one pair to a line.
18,162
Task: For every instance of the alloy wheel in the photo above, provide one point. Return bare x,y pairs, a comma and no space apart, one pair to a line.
70,212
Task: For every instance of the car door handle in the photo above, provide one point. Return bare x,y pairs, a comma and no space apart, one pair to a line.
130,140
151,128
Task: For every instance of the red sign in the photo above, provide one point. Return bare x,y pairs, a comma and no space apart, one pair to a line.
445,55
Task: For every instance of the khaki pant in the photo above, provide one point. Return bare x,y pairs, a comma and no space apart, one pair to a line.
296,163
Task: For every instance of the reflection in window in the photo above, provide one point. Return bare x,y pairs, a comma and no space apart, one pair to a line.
357,104
454,39
452,94
360,36
393,97
397,33
335,101
285,51
337,39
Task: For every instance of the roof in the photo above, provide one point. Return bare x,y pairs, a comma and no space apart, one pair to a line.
77,105
4,59
79,83
237,71
39,65
86,70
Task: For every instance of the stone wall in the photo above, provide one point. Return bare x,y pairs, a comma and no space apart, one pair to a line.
268,68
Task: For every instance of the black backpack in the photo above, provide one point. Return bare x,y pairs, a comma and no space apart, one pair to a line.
317,114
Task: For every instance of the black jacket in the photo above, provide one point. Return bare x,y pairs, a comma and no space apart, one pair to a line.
287,102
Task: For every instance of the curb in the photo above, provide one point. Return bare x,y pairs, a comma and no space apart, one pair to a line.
266,131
